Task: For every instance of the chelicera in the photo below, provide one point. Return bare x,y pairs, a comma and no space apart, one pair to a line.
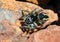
33,21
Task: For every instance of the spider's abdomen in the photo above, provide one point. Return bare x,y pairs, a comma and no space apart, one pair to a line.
43,16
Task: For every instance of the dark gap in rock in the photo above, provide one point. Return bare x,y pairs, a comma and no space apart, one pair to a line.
56,23
20,0
44,27
25,1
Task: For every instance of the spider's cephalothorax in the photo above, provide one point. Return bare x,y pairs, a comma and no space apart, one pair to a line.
33,21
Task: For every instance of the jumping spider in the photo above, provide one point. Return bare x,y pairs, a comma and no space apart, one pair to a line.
33,21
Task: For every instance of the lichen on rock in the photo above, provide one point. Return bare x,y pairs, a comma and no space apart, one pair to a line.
8,15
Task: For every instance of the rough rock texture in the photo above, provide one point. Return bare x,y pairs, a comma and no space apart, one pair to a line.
51,34
9,23
33,1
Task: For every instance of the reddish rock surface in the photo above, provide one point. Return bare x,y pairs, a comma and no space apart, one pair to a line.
12,33
50,34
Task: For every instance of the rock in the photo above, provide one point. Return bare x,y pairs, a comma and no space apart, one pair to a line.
10,12
50,34
8,15
33,1
6,31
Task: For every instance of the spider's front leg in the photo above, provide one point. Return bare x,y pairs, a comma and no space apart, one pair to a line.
25,30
